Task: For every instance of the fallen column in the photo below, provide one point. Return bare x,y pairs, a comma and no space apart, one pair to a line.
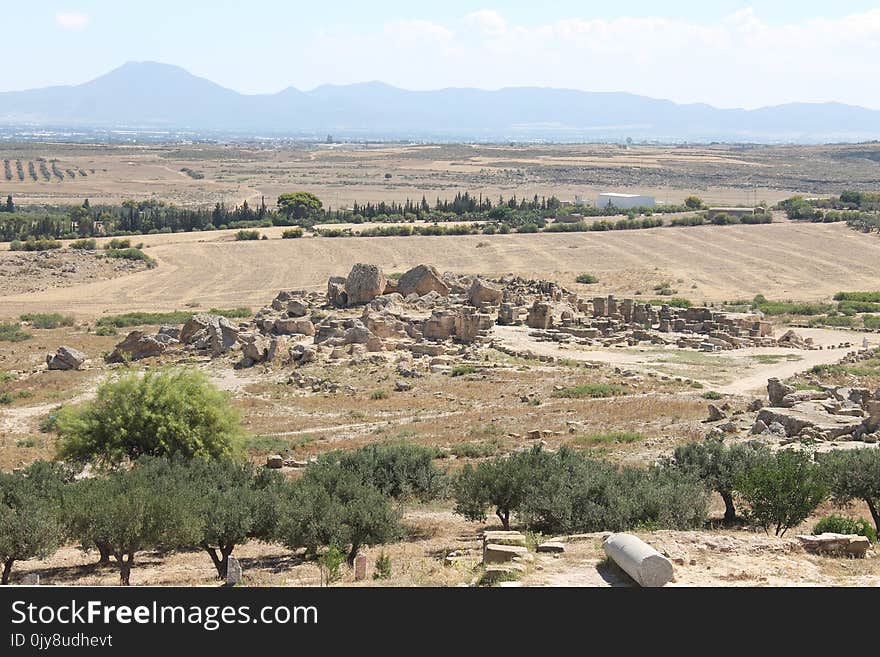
638,559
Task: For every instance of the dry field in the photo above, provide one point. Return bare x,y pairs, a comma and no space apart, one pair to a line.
489,410
341,174
783,260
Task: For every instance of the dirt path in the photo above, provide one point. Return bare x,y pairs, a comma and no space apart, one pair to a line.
739,370
783,260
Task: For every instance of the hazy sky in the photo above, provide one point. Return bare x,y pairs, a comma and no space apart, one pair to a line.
723,52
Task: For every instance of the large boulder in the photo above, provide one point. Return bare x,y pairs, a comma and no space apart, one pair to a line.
364,283
336,295
421,280
138,345
482,292
810,415
777,390
212,333
66,358
256,348
294,326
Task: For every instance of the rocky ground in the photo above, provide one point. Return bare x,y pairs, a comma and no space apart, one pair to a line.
33,272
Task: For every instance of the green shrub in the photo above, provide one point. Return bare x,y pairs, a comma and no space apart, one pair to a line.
35,245
674,302
84,245
869,297
587,279
461,370
12,333
782,491
162,413
383,566
176,317
712,395
379,394
330,563
117,244
292,233
836,524
474,450
590,390
132,254
47,320
106,331
244,235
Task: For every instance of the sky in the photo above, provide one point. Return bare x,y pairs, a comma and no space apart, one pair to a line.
726,53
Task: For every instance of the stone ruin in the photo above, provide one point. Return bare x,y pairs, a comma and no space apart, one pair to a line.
430,314
825,415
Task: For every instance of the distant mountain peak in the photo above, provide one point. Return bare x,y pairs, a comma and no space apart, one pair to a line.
148,94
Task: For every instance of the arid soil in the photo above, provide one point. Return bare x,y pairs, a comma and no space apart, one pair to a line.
782,260
343,173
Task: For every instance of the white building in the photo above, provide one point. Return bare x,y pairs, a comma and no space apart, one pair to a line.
624,201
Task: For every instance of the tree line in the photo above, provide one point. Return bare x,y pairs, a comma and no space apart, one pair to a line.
166,472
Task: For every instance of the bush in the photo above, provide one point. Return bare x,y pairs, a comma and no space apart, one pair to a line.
244,235
461,370
47,320
782,491
399,470
117,244
292,233
162,413
12,333
35,245
383,566
132,254
587,279
176,317
84,245
720,466
854,474
332,506
693,203
836,524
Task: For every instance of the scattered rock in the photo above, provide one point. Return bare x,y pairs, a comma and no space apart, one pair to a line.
65,358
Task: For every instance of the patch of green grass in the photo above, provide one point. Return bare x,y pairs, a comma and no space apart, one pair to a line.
379,394
47,320
30,441
10,332
396,275
798,385
844,321
6,398
461,370
674,302
712,395
7,376
83,245
106,330
774,308
618,437
590,390
587,279
176,317
871,297
772,359
475,450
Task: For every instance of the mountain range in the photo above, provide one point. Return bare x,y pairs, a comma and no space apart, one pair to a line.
153,96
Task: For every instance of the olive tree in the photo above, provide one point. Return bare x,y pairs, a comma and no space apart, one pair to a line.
782,491
234,504
720,466
854,474
162,413
501,484
331,505
30,525
146,507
